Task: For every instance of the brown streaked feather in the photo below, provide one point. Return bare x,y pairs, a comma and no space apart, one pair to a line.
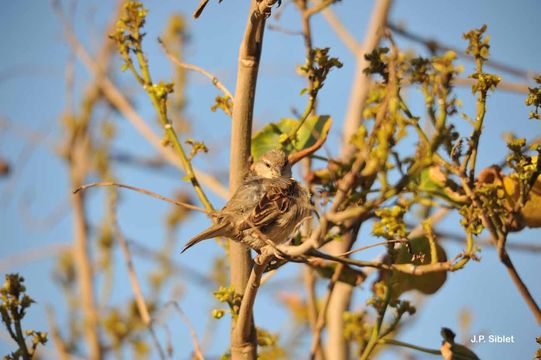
275,202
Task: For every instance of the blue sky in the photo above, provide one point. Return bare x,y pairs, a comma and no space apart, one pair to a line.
32,96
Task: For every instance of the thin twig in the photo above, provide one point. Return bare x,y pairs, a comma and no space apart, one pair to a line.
351,43
409,346
276,27
30,255
136,288
521,286
444,235
159,102
198,354
434,45
434,219
60,345
402,241
143,191
521,88
146,252
119,101
46,222
215,81
317,8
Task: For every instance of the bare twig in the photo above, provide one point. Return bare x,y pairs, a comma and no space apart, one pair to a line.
409,346
402,241
143,191
119,101
276,27
136,288
62,351
434,46
351,43
31,255
521,286
521,88
33,140
49,220
215,81
146,252
434,219
444,235
198,354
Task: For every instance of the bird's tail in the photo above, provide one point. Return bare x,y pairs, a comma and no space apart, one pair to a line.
216,230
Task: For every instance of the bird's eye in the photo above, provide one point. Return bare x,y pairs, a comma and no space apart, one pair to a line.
267,164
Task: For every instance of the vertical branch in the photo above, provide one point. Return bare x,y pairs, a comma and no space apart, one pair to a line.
320,323
341,296
339,302
361,81
248,300
76,152
245,347
84,269
134,282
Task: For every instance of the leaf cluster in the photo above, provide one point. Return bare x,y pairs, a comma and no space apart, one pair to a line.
14,303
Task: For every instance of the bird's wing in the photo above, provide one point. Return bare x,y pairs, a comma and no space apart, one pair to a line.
246,197
275,201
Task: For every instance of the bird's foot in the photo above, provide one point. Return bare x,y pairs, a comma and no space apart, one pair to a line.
266,252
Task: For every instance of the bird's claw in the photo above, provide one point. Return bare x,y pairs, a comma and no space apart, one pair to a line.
268,251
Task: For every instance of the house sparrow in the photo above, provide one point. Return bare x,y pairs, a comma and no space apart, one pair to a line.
269,203
272,164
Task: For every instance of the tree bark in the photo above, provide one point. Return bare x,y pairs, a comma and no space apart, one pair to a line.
241,132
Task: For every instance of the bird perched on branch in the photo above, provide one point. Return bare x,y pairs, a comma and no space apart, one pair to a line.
268,206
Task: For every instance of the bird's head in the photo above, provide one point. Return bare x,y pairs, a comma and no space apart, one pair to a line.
272,164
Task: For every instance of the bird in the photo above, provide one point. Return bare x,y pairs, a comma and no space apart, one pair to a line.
268,206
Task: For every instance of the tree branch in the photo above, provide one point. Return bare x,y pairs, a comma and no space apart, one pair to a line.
143,191
121,103
243,338
215,81
361,81
136,288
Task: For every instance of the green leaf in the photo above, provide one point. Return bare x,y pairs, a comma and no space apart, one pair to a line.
418,254
273,135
